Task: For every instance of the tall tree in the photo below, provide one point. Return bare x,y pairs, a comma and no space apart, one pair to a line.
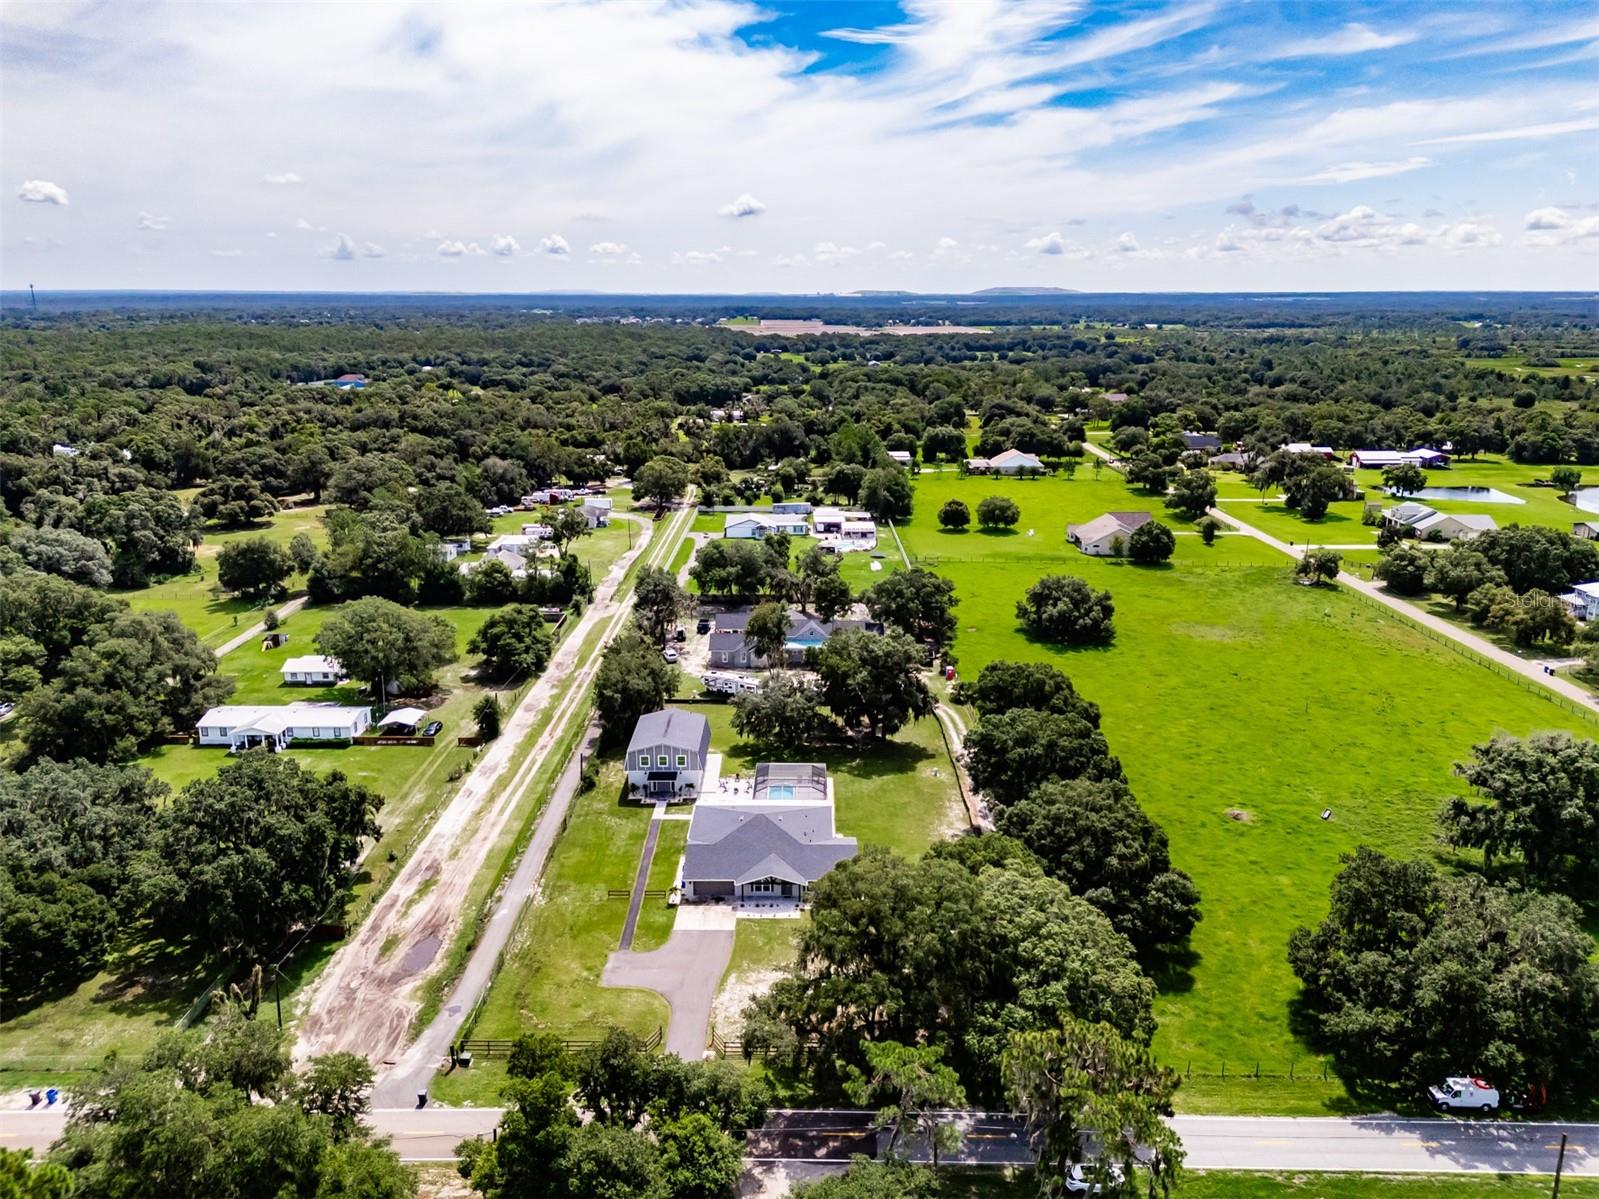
916,601
659,602
1008,754
515,642
1066,609
254,567
886,493
384,645
1084,1083
911,1088
633,679
767,631
872,681
661,481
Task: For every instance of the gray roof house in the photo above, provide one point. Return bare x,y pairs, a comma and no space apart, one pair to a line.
768,845
730,647
667,753
1202,441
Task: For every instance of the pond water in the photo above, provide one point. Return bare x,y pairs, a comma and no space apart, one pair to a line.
1478,495
1586,498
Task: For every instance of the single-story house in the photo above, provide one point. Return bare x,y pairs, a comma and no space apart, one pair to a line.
1304,447
344,382
538,532
510,559
312,669
277,726
666,755
1381,459
1015,462
1233,460
901,457
1201,441
1587,529
452,548
1116,397
747,525
730,647
1106,536
826,520
1583,600
1429,524
768,844
596,511
403,720
791,508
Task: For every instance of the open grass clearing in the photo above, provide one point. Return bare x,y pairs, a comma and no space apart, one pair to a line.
1228,689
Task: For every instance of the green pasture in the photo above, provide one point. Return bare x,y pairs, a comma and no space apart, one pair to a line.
1242,706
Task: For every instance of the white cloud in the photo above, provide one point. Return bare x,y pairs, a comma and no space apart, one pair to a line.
695,257
789,260
608,249
42,191
1050,243
286,179
227,253
372,250
1352,172
343,249
1353,38
745,205
1226,243
459,249
505,245
555,244
901,256
1517,132
1128,244
827,251
1556,227
152,222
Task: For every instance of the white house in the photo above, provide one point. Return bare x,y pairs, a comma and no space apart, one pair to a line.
597,511
1304,447
767,844
1106,536
277,726
452,548
1015,462
312,670
1583,600
1587,529
825,520
666,755
1429,524
900,457
758,524
1380,459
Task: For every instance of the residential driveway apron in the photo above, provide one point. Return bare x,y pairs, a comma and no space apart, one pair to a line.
686,972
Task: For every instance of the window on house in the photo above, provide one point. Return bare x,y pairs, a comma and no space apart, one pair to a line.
661,760
763,888
723,655
644,761
682,760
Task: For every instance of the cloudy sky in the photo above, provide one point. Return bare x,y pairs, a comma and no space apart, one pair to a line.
716,145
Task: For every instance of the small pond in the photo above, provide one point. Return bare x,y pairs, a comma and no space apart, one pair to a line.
1586,498
1479,495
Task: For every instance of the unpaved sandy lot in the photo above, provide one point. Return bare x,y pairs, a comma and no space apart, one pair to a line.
365,1000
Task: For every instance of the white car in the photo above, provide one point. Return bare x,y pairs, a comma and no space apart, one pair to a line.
670,655
6,708
1080,1180
1465,1095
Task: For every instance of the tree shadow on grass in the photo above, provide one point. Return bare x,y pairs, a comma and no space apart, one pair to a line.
1172,971
1064,647
1000,532
953,532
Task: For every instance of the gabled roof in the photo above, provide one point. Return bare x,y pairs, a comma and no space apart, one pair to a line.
1410,513
1014,458
739,845
405,716
1479,521
674,727
1108,525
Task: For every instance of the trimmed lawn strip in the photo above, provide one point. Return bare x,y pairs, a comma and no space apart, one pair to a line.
655,918
551,971
1225,685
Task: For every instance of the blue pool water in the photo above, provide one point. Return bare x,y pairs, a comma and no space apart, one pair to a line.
1476,495
780,793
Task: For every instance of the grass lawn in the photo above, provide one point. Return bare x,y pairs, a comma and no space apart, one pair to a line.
551,970
887,795
1230,691
1516,364
214,615
975,1183
655,918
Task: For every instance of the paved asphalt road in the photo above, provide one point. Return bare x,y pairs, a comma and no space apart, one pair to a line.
1366,1144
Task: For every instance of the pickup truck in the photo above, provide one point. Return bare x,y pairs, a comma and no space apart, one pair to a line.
1465,1095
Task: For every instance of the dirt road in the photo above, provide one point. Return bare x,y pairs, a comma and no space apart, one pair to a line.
366,998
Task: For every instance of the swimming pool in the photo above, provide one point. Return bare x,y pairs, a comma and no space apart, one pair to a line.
781,792
1475,495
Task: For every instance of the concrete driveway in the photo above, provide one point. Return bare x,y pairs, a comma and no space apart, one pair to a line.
686,972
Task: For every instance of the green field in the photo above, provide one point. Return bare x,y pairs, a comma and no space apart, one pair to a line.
1516,364
971,1183
1342,524
1241,707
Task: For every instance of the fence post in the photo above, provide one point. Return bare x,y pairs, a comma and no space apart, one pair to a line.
1291,1069
1257,1069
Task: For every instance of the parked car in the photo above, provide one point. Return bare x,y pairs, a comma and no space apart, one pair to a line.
1465,1095
680,635
670,655
1080,1180
703,625
433,728
7,708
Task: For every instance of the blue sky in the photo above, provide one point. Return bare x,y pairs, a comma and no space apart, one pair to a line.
715,145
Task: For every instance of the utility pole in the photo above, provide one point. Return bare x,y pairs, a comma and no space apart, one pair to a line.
33,297
1560,1165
